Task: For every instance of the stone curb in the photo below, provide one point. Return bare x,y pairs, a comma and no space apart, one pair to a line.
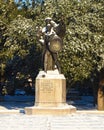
90,111
9,111
77,112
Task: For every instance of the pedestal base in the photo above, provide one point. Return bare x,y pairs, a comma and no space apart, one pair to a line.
50,96
62,110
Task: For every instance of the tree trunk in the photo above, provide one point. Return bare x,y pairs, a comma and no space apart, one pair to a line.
100,99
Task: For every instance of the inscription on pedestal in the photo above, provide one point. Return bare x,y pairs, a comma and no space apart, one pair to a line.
50,90
46,91
47,87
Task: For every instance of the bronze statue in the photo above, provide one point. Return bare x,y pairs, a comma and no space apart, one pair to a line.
52,44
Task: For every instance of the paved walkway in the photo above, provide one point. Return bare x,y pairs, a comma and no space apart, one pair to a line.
13,118
78,121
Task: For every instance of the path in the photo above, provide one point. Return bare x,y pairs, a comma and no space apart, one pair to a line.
70,122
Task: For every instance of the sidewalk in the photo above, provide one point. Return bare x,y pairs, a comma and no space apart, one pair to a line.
77,121
12,117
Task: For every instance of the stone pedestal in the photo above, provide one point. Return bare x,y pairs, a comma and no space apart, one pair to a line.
50,97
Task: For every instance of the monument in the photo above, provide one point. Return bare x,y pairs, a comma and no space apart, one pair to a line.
50,87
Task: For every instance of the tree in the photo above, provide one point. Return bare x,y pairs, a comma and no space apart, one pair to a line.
18,43
21,48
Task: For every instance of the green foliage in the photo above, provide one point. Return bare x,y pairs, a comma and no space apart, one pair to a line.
84,39
18,49
21,35
83,50
8,11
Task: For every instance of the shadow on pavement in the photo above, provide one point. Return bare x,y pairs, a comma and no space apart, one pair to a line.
20,102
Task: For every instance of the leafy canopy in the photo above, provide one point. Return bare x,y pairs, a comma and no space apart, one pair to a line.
83,48
83,51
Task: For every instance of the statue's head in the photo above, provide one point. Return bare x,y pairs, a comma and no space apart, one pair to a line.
47,20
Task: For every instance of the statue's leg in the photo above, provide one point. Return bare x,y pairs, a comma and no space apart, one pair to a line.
48,62
43,59
54,56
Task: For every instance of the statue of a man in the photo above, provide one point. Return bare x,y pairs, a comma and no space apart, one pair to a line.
52,44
